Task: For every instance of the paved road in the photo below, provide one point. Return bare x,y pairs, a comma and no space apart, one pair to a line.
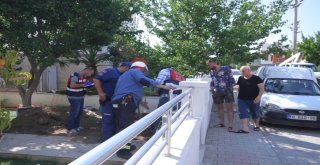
294,145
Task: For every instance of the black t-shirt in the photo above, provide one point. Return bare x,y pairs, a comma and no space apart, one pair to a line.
248,88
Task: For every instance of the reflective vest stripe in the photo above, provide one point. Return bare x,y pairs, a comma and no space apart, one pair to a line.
75,90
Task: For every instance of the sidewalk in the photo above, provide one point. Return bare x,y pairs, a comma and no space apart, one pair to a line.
61,149
228,148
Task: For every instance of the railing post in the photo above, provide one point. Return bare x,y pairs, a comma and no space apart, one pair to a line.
169,123
201,104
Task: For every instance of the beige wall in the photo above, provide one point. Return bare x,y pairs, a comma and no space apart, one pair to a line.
63,72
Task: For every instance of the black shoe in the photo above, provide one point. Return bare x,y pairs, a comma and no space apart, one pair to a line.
132,147
124,154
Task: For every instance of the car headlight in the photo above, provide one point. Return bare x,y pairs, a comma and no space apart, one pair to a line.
271,107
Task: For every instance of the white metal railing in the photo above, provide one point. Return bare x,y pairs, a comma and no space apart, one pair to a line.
105,150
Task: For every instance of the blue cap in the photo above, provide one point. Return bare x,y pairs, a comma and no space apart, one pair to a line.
126,63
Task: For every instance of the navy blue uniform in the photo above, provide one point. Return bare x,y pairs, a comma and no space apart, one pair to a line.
108,78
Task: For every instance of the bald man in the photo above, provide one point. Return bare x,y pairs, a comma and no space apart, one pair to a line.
250,90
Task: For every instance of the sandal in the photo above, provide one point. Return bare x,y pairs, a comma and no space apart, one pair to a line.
230,129
218,125
256,128
241,131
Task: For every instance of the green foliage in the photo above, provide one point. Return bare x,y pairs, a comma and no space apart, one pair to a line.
5,120
49,31
9,72
100,28
150,92
310,48
193,30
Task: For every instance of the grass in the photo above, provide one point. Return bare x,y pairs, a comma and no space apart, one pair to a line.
13,114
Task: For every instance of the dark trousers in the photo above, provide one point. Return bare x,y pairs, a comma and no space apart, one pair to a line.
157,124
108,120
125,114
76,108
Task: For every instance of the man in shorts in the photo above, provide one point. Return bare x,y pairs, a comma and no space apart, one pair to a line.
222,91
250,90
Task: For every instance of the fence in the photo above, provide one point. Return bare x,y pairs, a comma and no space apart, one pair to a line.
102,152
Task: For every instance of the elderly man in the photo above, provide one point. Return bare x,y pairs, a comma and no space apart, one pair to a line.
222,91
250,90
127,97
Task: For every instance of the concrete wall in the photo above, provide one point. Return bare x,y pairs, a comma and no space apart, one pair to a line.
189,139
12,99
63,72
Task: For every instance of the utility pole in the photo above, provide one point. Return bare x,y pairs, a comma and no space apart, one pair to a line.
295,25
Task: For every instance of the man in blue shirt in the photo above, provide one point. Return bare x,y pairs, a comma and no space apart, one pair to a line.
127,97
105,83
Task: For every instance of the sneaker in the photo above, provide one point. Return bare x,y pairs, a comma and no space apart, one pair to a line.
124,154
73,132
132,147
79,129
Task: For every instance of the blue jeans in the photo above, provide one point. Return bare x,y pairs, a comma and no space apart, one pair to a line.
245,105
76,108
108,120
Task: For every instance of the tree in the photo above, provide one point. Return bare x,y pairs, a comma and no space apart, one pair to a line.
310,48
8,73
277,48
193,30
45,31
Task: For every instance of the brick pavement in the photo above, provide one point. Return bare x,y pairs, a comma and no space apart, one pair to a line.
228,148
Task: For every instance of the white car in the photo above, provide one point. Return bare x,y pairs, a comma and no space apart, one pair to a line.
292,97
236,74
311,66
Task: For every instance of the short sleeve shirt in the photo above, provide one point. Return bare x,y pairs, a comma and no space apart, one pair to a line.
108,78
222,79
248,88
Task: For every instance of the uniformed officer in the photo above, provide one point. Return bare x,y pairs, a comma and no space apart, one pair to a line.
127,97
105,83
77,82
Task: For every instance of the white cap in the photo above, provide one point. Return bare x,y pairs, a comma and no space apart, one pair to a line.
139,64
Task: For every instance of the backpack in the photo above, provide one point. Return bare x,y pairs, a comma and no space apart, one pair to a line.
176,76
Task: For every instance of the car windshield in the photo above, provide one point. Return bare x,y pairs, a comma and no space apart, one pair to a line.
292,86
313,67
236,72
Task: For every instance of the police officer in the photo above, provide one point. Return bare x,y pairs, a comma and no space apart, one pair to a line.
127,97
105,83
77,82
